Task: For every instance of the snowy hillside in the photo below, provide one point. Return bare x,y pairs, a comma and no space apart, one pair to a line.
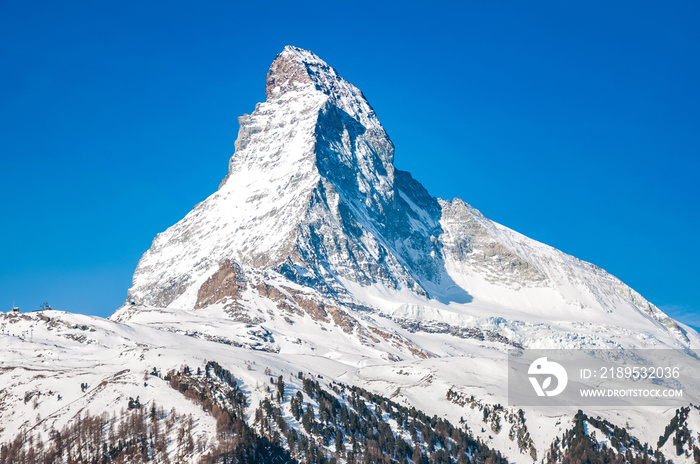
319,290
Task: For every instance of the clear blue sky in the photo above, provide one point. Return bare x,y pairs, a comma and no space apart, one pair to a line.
575,123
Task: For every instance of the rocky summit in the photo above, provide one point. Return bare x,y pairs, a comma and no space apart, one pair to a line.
321,306
312,195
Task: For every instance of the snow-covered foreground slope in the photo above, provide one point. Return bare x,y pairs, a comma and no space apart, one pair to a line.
49,356
57,366
319,265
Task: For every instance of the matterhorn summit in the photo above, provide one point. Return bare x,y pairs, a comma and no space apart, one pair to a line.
311,192
312,196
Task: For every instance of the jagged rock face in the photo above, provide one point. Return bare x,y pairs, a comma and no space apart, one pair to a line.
312,193
228,282
466,240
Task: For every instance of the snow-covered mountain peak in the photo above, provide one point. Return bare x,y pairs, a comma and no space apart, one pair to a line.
311,179
308,98
299,70
312,195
